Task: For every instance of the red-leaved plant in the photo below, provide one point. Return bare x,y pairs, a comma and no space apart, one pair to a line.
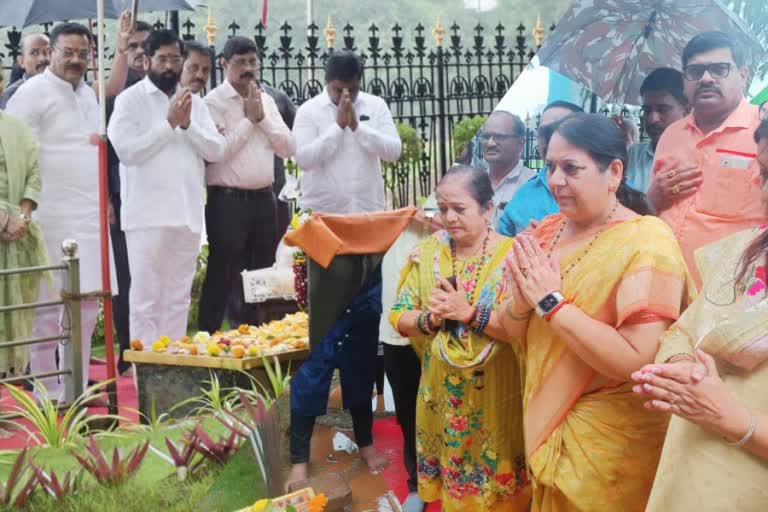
215,451
8,494
95,462
184,458
58,487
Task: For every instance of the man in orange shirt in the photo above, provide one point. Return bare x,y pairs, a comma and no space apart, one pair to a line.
705,179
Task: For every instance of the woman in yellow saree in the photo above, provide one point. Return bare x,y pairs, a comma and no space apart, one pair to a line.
469,438
605,284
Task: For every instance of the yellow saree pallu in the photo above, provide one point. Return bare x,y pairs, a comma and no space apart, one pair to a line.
590,444
469,411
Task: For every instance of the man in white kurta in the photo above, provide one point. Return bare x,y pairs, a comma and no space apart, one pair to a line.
62,111
162,135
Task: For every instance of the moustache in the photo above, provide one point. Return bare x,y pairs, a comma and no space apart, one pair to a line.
247,75
707,88
42,65
74,67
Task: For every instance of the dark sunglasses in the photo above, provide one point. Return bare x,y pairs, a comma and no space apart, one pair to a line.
693,72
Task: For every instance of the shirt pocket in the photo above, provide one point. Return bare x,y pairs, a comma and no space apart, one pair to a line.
726,192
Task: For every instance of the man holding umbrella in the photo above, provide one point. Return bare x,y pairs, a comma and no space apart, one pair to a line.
705,179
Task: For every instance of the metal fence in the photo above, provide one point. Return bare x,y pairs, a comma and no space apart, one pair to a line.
71,332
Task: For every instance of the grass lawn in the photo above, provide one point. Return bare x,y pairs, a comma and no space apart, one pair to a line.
153,488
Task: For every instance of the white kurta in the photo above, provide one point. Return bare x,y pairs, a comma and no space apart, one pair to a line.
162,192
65,121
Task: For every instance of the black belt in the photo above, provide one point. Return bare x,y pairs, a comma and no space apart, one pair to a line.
239,193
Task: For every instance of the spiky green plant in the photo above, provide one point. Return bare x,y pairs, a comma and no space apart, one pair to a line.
213,399
48,427
278,382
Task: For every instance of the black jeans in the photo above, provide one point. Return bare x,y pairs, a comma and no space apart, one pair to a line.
120,302
303,426
241,227
404,372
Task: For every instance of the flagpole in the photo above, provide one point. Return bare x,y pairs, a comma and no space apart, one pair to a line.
103,220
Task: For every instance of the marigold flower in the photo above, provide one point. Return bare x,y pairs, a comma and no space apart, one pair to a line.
318,503
137,345
253,351
238,351
242,329
261,506
165,340
158,346
213,350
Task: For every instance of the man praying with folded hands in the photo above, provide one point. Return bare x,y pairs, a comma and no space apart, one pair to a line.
163,134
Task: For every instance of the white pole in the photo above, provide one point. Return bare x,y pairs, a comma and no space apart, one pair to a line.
310,12
101,81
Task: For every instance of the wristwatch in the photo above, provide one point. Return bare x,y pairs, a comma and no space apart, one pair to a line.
549,303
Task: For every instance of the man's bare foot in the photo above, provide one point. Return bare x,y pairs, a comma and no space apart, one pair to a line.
374,459
298,473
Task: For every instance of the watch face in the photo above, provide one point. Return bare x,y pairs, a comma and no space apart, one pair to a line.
549,302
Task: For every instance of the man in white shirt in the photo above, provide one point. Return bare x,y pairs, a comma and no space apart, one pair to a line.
241,212
62,111
502,139
342,134
341,137
162,135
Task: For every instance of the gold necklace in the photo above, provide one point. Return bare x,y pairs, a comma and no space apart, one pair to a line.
454,258
556,239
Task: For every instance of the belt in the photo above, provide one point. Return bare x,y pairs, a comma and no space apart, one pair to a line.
239,193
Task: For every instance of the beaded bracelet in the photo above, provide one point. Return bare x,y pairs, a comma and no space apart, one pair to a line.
422,323
483,317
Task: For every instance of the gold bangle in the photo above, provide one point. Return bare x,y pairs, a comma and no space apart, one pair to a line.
511,314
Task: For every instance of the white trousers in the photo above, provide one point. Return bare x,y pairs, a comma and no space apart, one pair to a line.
162,263
53,356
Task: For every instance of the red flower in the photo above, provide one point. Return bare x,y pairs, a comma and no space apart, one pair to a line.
459,423
504,478
457,461
760,273
456,402
468,443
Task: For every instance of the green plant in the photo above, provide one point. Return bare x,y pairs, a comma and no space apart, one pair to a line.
464,131
278,382
219,451
47,428
184,458
212,399
95,462
8,490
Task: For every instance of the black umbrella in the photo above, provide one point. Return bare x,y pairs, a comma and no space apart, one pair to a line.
23,13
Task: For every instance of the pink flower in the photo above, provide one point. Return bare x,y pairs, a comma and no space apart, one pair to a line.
760,273
459,423
757,287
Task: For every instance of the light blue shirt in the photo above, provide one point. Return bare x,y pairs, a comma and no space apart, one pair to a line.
639,165
533,201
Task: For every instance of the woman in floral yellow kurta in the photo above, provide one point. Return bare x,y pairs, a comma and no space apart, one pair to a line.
469,429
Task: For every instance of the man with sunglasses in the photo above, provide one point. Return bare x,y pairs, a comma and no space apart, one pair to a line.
705,179
502,139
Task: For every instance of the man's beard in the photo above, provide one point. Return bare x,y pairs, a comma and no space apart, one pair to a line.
166,81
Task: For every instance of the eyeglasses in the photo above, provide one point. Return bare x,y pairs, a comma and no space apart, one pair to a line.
763,112
694,72
498,137
163,60
69,53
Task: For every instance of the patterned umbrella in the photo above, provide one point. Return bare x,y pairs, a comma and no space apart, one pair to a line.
610,46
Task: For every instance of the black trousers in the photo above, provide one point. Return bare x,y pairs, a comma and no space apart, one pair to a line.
403,369
120,309
241,227
303,426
